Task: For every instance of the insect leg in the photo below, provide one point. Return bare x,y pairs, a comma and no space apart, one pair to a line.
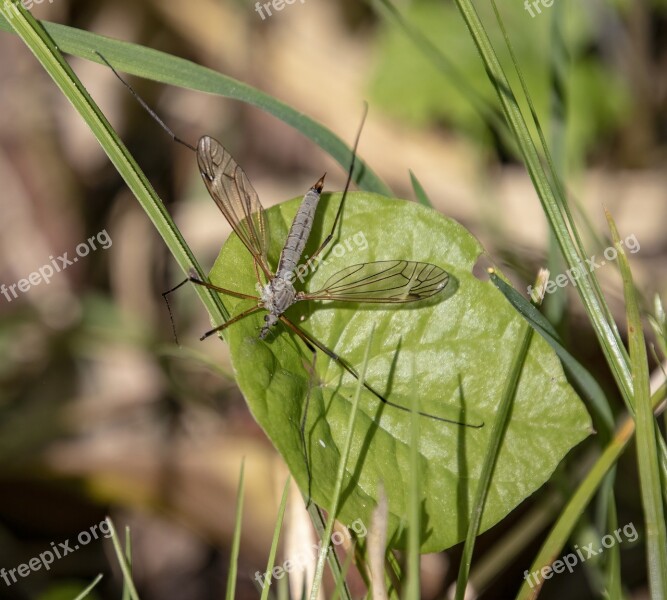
197,281
231,321
309,339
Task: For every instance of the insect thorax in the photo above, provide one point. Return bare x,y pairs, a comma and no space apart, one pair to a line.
277,296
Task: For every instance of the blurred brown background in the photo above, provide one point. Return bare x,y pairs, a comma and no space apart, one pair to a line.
100,412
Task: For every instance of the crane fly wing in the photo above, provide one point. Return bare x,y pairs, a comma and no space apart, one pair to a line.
232,191
390,281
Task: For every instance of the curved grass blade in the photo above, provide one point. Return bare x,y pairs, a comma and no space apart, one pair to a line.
338,488
585,381
274,542
89,589
647,448
122,562
571,514
236,541
554,203
159,66
128,558
495,441
420,193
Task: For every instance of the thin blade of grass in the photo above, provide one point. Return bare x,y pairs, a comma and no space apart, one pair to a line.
613,586
320,523
124,567
339,590
647,449
586,383
571,244
412,584
493,563
553,202
89,589
495,441
46,52
420,194
236,540
335,500
128,558
579,500
274,541
558,65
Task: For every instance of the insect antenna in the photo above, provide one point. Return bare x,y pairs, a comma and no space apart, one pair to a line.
350,173
145,106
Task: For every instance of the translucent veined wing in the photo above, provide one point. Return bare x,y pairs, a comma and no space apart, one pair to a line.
383,281
232,191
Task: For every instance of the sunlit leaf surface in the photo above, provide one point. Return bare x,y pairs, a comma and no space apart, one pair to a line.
449,354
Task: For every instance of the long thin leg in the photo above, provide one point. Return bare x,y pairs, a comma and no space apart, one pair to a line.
215,288
231,321
197,281
329,237
311,341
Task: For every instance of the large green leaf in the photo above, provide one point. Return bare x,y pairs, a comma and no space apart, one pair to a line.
450,354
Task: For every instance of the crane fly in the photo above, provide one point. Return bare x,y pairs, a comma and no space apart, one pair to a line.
388,281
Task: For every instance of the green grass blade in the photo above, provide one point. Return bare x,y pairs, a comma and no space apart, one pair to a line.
613,586
320,524
89,589
558,66
162,67
420,194
604,418
647,449
579,500
493,563
45,50
274,541
236,540
495,441
122,562
593,299
128,558
335,500
553,202
412,587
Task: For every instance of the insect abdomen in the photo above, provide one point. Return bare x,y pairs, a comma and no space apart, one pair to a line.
299,231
